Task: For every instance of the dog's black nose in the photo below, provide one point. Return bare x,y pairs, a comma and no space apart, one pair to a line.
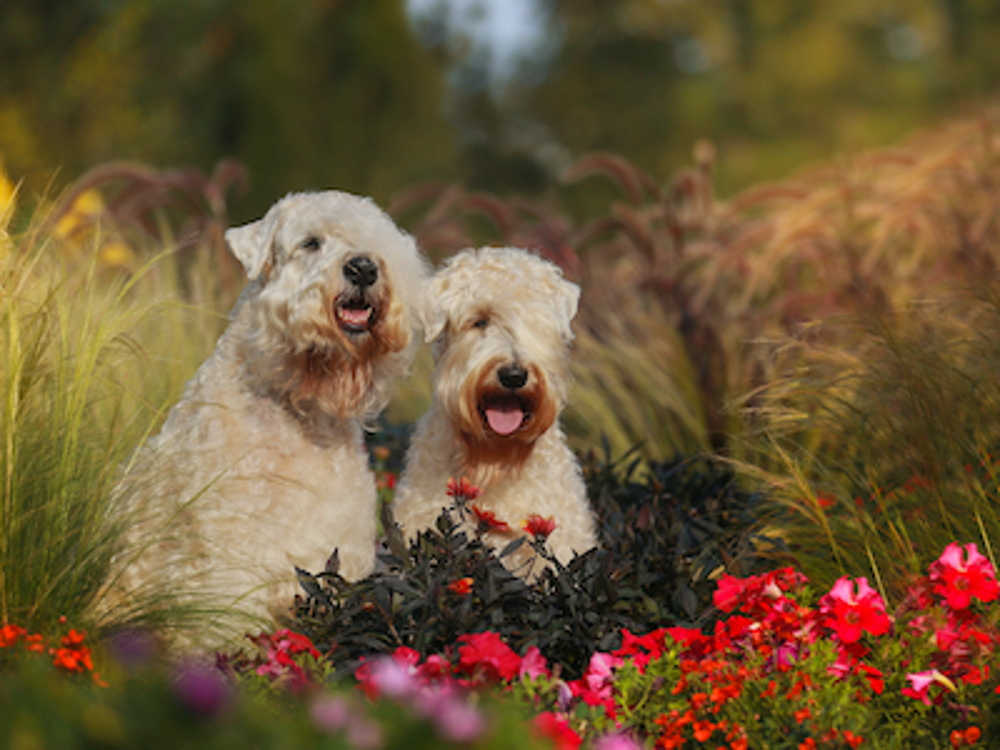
361,271
512,376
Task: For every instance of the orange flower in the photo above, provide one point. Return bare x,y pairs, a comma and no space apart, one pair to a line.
703,730
73,659
10,634
969,737
802,714
539,527
488,520
35,643
461,586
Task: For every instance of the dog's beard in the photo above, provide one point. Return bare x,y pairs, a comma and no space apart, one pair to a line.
499,427
341,363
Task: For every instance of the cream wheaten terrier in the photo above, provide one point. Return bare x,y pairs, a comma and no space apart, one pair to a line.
261,466
499,323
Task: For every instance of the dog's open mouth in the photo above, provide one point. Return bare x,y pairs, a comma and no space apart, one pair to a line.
355,316
505,414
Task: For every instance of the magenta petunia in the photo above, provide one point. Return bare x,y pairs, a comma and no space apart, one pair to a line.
961,578
851,613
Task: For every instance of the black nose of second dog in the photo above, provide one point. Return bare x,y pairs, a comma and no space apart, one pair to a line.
361,271
513,377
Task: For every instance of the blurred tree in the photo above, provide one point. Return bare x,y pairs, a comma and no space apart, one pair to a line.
310,94
776,83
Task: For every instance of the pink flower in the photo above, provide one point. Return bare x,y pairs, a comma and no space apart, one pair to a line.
959,580
533,664
484,656
920,684
281,649
616,742
596,687
851,614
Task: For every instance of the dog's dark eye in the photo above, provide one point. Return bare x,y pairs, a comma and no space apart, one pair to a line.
311,244
481,322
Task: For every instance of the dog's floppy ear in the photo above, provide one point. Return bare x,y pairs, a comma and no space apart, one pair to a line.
253,243
566,299
433,314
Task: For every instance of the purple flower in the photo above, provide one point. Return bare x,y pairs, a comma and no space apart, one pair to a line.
133,648
202,688
330,713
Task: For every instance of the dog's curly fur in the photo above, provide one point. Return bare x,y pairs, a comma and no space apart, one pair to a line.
261,466
499,323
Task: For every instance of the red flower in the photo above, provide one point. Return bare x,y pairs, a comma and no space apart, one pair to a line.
960,580
557,729
539,527
488,520
728,593
462,490
850,614
485,657
461,586
279,651
10,634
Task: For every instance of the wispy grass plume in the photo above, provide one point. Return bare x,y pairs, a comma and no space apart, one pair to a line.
877,456
81,386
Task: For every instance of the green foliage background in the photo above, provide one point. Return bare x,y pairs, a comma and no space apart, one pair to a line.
362,95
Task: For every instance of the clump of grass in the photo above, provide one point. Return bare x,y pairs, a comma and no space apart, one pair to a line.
870,235
82,385
875,457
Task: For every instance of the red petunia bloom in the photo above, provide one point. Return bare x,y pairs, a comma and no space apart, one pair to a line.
728,593
462,490
461,586
850,613
557,729
488,520
960,579
539,527
485,657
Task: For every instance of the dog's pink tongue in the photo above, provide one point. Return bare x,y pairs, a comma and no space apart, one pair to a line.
504,421
355,316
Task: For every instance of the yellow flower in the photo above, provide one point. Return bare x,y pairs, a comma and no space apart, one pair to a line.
8,199
86,208
116,255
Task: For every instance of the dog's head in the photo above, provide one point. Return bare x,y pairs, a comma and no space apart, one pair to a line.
499,323
335,288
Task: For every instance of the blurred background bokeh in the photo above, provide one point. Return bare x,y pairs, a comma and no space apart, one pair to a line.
372,96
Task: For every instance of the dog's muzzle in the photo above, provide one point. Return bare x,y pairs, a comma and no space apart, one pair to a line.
507,410
355,313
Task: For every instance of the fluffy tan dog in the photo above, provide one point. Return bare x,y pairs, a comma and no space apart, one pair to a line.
261,466
499,323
